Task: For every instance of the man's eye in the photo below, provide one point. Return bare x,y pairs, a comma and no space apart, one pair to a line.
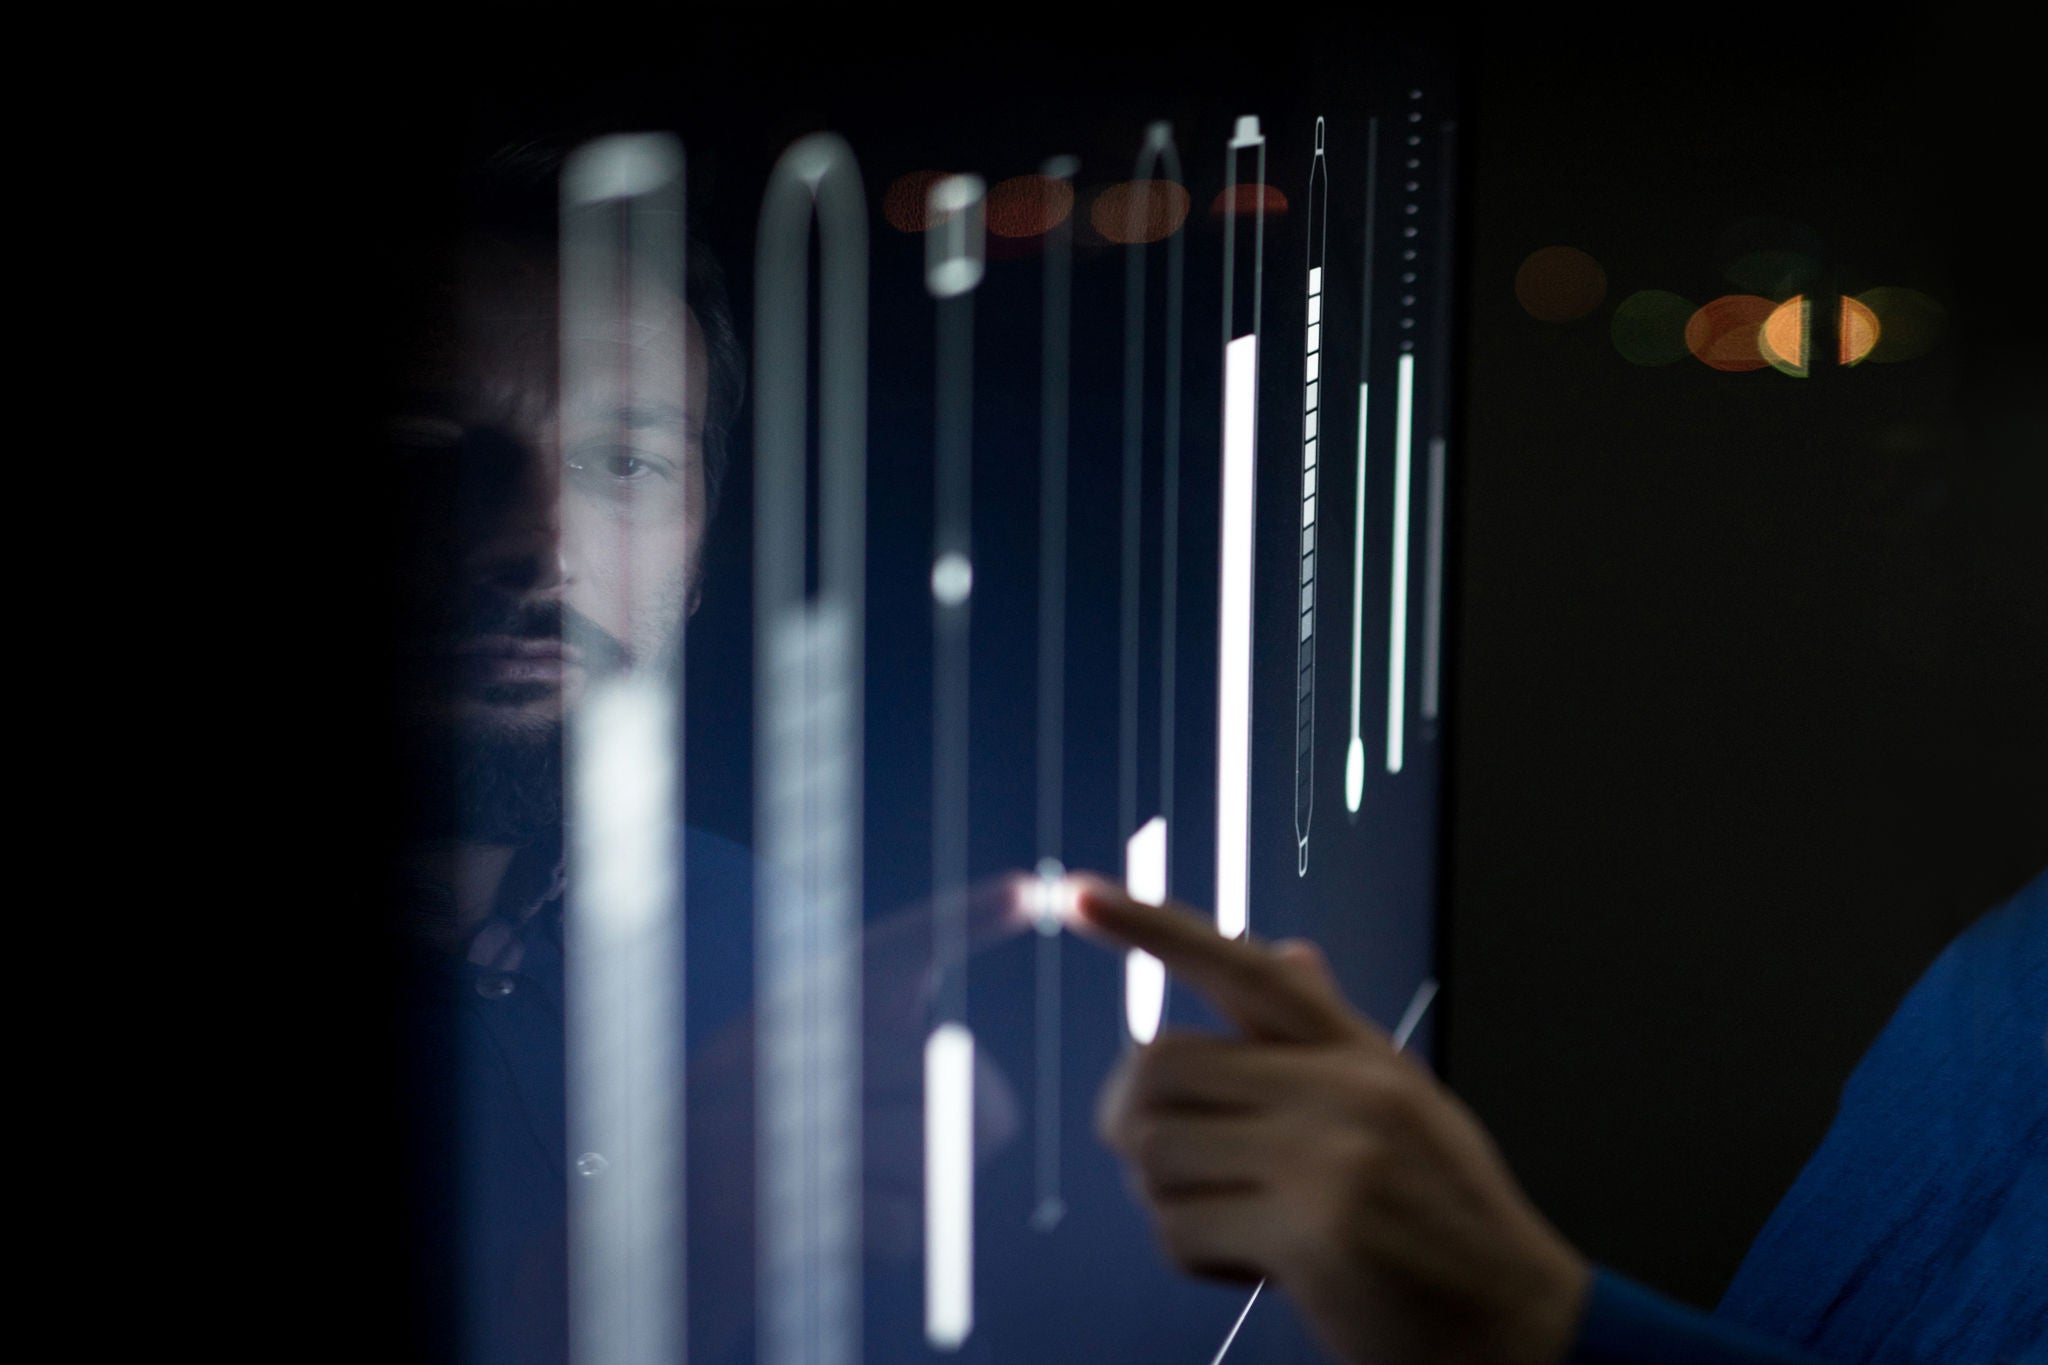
617,465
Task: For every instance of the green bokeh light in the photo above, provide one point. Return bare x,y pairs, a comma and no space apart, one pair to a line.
1649,327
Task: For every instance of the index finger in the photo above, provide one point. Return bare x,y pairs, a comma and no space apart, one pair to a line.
1268,998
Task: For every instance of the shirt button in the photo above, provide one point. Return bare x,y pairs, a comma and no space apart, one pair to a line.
591,1164
495,985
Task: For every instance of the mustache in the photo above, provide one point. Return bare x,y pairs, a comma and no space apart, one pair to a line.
500,614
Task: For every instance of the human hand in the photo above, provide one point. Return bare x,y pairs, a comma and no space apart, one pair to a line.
1310,1152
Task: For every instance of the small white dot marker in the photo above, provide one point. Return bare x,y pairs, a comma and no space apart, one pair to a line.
952,578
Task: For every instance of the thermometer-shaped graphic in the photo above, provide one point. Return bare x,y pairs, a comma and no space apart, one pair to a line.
807,742
1240,492
1305,657
1354,754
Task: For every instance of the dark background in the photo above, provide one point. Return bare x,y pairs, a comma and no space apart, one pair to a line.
1748,705
1746,672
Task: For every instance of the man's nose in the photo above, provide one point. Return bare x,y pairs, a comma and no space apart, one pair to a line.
518,547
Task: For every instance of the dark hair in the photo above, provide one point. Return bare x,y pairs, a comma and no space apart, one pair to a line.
511,198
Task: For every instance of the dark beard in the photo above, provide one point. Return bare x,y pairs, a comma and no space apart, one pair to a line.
500,789
509,791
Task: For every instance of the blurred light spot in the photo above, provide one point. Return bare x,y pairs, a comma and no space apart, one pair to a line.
904,203
1860,331
952,578
1909,322
1785,340
1649,327
1560,284
1140,211
1248,199
1774,257
1728,332
1028,205
1050,897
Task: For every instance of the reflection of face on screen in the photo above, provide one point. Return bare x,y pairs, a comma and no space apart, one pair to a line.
529,512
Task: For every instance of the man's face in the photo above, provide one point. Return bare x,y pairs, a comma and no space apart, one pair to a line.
548,536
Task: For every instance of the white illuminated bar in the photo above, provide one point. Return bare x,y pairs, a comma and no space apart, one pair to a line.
622,274
1236,559
1234,681
807,746
949,1186
1397,631
1144,974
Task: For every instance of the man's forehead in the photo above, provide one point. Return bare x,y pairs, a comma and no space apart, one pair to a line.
513,360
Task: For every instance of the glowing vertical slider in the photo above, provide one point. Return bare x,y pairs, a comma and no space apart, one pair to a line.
1235,556
807,813
1354,754
1144,974
1397,632
621,203
954,253
949,1186
1234,680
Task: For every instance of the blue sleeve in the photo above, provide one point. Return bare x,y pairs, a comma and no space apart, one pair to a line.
1626,1324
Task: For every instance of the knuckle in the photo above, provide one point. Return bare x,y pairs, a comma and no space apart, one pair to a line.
1358,1166
1150,1145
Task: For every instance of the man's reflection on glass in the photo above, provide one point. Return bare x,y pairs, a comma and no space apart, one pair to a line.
522,516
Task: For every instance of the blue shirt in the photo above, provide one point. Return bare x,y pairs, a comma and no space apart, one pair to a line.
1918,1232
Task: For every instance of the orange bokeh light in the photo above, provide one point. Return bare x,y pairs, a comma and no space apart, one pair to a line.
1139,211
1859,331
1560,284
1728,332
1785,344
1783,341
904,203
1248,199
1028,205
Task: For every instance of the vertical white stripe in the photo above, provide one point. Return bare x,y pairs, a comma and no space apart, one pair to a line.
1397,635
949,1186
1144,974
1234,666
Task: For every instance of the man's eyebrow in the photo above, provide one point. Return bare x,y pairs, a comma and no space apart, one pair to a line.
647,414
